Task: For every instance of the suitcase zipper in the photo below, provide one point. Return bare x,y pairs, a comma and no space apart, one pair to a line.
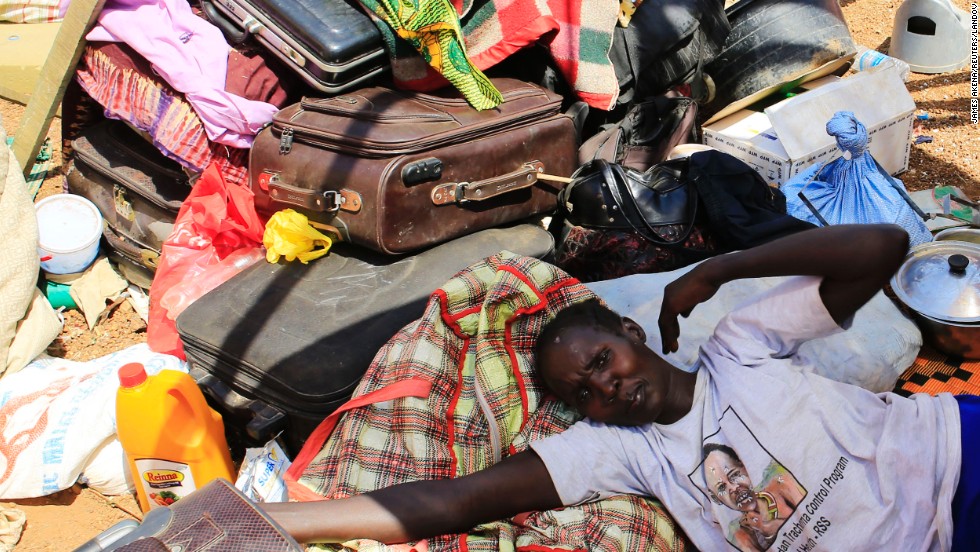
106,170
314,136
286,141
311,136
324,105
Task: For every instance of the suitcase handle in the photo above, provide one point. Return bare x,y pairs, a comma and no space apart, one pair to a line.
148,257
233,34
465,192
265,421
329,201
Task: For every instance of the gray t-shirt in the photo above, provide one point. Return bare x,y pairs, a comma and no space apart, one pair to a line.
774,458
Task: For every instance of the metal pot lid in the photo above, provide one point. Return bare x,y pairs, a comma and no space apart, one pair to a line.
941,280
971,235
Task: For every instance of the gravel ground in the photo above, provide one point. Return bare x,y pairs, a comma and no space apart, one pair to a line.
952,158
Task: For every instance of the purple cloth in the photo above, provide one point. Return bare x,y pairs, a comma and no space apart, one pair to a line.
192,56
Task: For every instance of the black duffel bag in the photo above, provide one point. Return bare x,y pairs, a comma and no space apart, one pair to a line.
614,221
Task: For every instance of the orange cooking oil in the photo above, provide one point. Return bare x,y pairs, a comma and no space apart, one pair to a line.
174,442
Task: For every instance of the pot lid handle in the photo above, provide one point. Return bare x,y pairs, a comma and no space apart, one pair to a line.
958,263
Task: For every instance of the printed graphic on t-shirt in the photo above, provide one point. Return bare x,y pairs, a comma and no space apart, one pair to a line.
754,494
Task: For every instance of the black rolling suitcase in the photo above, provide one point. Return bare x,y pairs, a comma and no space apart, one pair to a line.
280,346
137,189
331,44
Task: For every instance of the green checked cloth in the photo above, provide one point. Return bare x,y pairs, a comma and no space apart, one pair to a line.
432,28
478,400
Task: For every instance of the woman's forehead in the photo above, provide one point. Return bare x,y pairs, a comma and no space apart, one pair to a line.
574,340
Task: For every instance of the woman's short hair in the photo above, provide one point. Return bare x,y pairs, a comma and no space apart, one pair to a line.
589,313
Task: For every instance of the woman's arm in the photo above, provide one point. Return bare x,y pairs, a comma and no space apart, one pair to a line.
855,262
413,511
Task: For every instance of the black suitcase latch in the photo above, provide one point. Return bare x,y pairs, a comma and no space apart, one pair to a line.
423,170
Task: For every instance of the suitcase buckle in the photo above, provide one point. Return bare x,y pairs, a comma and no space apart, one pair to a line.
333,201
347,200
286,141
328,201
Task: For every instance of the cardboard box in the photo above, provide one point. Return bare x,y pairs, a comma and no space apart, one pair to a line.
782,139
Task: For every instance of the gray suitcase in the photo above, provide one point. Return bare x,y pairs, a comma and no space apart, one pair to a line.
331,44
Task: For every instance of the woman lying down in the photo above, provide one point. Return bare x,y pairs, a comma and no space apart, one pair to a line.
747,450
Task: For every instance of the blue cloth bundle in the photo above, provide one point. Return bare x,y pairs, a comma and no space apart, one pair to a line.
852,189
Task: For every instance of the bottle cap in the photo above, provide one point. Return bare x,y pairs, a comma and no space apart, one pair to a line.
132,374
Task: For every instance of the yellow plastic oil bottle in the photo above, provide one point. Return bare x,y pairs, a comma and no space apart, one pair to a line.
174,442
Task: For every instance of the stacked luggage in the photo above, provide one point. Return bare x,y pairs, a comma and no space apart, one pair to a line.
136,188
333,46
413,186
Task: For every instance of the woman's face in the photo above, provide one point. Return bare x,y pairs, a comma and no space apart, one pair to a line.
728,481
607,377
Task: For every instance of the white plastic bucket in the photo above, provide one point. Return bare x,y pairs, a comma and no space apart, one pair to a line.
70,227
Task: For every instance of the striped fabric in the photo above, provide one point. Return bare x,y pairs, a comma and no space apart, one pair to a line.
32,11
150,105
472,350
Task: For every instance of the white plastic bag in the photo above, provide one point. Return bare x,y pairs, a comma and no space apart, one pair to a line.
56,415
260,477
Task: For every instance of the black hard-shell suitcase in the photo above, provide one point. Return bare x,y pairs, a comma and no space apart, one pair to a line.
137,189
281,346
332,44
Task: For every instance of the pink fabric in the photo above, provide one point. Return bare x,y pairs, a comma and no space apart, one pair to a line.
192,56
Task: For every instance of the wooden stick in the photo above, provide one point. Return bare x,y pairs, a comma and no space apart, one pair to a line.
553,178
50,88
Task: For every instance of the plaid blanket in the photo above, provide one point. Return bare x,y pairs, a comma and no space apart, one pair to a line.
453,393
32,11
578,33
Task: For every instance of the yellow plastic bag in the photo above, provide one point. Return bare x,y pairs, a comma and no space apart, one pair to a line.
289,234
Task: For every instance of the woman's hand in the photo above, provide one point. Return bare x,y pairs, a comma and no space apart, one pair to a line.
854,260
680,298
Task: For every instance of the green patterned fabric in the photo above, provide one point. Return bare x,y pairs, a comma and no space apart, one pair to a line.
432,28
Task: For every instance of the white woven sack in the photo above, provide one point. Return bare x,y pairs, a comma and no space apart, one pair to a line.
20,266
56,415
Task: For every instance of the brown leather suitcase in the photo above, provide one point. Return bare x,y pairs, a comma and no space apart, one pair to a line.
137,189
400,171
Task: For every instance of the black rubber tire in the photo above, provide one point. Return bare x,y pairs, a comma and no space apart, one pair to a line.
777,41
